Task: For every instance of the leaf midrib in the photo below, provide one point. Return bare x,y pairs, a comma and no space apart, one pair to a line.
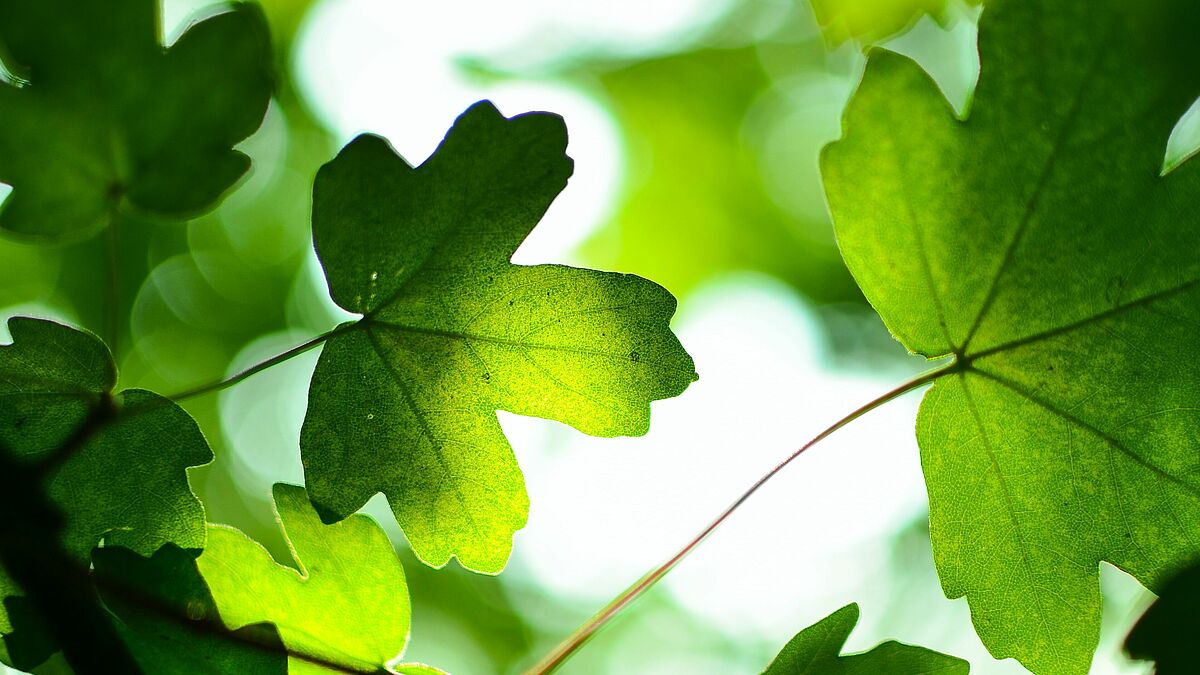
466,336
1031,206
434,442
1086,321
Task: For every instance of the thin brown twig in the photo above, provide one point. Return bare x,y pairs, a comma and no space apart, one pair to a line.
577,639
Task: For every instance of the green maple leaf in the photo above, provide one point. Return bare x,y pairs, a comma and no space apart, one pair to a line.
168,619
814,651
126,484
110,118
348,603
1038,243
404,400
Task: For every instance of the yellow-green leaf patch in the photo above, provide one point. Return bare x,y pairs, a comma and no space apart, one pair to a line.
815,651
346,604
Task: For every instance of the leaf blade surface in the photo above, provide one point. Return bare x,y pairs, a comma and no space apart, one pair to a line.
348,604
1038,243
404,401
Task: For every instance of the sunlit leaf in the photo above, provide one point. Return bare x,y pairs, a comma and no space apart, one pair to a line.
404,401
127,483
347,604
1038,243
815,651
107,117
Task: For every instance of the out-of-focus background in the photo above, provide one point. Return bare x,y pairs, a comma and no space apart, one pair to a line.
695,126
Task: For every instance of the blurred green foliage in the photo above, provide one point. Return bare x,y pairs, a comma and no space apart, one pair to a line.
695,201
871,20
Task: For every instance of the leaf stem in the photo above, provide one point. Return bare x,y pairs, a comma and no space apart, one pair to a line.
259,367
105,412
112,315
574,641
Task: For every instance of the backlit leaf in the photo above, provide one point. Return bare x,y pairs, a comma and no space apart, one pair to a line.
404,400
1038,244
348,603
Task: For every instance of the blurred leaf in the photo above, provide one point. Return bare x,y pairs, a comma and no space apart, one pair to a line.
872,20
403,401
168,618
1166,633
285,17
30,272
127,483
694,204
109,116
347,605
814,651
478,609
1038,244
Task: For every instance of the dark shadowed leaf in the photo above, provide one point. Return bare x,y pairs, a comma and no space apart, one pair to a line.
815,651
1166,634
127,483
168,618
108,117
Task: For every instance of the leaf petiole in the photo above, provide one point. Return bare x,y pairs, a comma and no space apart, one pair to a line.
105,412
577,639
112,325
261,366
